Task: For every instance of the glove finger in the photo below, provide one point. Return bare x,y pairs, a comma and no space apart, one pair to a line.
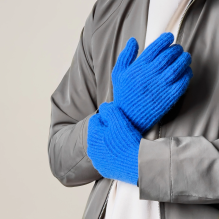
96,131
165,59
170,94
105,110
185,78
156,47
96,123
177,89
177,68
128,55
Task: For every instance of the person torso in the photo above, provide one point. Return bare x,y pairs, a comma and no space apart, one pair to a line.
195,114
123,201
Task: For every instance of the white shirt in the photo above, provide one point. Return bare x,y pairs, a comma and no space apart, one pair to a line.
123,200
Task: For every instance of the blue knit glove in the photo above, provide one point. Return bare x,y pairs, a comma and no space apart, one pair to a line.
146,88
113,144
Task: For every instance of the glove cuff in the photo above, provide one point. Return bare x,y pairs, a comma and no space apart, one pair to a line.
122,140
113,144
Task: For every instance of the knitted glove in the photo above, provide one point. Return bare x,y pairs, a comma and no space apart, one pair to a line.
113,144
146,88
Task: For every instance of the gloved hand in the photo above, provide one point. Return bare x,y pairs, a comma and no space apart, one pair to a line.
113,144
146,88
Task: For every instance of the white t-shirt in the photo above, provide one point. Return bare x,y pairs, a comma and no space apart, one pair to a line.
123,200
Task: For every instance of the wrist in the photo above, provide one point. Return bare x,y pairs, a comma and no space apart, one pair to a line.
123,140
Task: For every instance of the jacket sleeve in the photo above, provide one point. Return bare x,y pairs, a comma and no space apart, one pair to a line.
72,104
179,170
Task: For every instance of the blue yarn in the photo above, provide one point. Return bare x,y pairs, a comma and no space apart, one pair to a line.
113,144
144,90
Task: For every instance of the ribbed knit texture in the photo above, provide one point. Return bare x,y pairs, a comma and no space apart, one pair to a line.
144,90
113,144
147,87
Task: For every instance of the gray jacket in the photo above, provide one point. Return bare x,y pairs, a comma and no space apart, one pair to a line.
178,157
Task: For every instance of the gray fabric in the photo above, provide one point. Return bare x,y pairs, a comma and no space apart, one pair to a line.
179,169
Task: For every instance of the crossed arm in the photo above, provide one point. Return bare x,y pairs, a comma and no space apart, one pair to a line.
164,165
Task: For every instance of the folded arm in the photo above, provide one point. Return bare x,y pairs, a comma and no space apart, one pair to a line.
179,170
72,104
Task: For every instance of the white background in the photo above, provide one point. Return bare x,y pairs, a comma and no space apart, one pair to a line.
38,39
